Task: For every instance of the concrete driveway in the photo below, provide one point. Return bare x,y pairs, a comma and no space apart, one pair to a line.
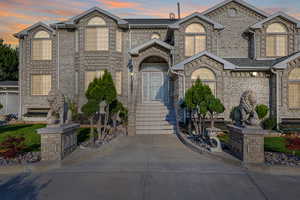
150,167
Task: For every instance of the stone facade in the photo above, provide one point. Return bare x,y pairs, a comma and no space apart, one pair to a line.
229,34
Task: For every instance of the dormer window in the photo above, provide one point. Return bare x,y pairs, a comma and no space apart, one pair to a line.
276,41
195,39
96,35
41,46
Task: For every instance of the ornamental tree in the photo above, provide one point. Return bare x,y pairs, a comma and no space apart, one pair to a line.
214,107
90,110
195,100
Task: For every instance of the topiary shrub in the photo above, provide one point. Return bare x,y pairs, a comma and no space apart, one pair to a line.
269,123
262,111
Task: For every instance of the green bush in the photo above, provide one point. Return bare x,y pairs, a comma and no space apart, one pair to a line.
270,123
262,111
1,106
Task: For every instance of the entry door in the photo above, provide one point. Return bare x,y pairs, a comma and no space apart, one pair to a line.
153,86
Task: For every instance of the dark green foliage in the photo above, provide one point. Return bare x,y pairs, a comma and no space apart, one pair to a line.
270,123
90,108
200,101
8,63
262,111
1,106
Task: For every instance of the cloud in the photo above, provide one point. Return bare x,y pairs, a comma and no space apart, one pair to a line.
119,4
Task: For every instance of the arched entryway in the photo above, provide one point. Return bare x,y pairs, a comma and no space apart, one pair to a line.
154,80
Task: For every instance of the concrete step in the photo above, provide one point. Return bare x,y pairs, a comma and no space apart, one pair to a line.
149,127
154,132
155,123
154,114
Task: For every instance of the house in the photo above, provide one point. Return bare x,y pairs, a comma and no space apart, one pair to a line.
232,47
9,97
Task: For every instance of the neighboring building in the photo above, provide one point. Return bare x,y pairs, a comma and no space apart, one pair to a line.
9,97
232,47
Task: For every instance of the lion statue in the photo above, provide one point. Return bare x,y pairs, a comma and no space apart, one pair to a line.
56,114
245,114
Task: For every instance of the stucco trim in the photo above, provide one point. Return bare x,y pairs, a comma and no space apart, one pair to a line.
196,14
138,49
227,65
277,14
243,3
26,31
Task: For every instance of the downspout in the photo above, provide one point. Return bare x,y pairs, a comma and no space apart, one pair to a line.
58,73
277,97
183,76
20,78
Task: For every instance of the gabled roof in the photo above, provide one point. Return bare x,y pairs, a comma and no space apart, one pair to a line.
196,14
278,14
26,31
247,5
138,49
250,63
75,19
227,65
281,63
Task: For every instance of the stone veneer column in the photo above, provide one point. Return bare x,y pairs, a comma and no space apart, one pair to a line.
247,143
58,141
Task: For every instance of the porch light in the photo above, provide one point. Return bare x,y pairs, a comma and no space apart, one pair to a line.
254,74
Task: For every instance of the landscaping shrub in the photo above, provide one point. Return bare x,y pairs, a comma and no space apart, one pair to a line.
270,123
1,106
12,147
293,144
262,111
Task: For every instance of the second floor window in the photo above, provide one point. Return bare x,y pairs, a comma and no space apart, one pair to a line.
276,41
119,41
96,35
41,46
195,39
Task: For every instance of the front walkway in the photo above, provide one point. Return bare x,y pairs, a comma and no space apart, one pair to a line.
149,167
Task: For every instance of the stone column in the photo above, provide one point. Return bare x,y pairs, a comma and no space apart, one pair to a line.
57,141
247,143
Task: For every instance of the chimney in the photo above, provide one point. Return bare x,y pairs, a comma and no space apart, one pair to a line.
178,7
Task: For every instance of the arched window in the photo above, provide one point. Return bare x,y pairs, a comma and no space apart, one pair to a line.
276,42
41,46
155,36
96,35
294,88
195,39
206,76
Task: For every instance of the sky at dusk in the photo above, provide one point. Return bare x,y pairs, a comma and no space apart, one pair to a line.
16,15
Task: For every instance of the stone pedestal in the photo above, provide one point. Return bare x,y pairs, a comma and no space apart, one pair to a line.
58,141
247,143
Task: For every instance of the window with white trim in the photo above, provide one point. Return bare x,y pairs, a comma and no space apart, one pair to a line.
207,77
96,35
276,40
195,39
294,88
76,41
41,46
119,41
91,75
40,85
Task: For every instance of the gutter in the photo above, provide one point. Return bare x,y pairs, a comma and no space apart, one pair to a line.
277,97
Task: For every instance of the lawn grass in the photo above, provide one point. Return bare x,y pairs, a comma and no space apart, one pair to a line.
32,138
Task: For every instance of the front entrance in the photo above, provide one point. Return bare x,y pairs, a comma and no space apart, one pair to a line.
154,85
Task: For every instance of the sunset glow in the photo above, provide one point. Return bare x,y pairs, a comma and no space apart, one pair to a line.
16,15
